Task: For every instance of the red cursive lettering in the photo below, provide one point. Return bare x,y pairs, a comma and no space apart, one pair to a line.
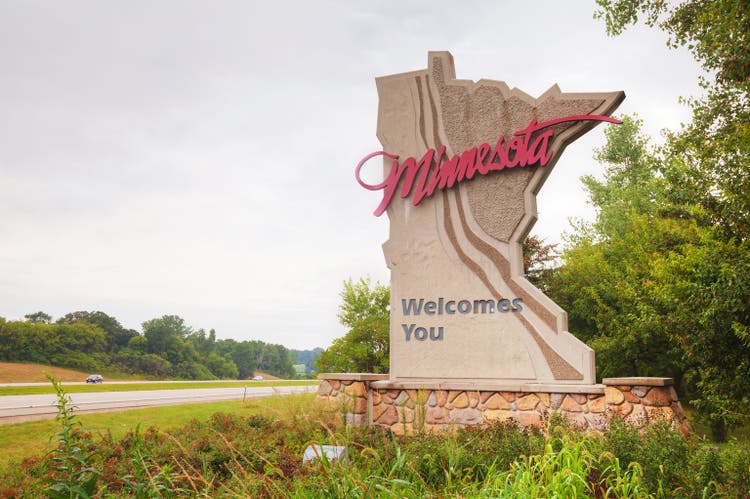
434,171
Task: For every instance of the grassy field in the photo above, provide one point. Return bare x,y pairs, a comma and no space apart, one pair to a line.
181,385
21,440
14,372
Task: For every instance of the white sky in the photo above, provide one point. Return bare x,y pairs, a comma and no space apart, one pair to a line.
197,158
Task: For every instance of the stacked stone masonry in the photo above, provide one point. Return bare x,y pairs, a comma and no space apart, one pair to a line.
404,410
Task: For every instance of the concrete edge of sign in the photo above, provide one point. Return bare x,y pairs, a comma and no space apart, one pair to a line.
639,381
353,376
383,381
489,387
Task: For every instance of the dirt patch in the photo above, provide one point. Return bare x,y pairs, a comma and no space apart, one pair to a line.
266,376
11,372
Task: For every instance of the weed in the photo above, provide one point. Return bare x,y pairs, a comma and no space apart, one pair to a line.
70,472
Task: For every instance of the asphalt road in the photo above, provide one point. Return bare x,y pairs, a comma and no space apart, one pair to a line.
135,382
18,408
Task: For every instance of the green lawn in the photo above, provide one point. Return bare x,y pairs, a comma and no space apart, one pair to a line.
105,387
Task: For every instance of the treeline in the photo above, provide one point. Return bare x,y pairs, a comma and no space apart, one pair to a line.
166,348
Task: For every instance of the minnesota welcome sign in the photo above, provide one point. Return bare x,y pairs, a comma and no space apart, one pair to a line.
462,164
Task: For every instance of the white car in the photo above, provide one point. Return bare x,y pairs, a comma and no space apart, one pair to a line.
258,378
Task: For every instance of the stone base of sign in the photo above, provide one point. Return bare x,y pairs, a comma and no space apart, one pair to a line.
406,407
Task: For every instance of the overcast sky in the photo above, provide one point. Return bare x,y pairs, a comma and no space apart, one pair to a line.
197,158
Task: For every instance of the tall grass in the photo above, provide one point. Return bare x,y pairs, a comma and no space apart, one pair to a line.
260,455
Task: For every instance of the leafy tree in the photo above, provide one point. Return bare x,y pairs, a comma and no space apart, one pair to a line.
204,345
165,337
221,367
117,336
244,355
79,345
607,264
705,294
24,341
191,370
696,291
365,348
138,344
655,287
276,360
80,337
137,362
712,153
10,343
251,356
38,317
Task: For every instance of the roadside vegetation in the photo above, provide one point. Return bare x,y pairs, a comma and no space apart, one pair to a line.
167,348
255,450
22,440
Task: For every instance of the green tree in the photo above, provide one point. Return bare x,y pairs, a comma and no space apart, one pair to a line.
138,344
276,360
38,317
365,348
81,337
117,336
166,336
204,345
701,286
243,354
607,264
712,152
25,341
132,361
221,367
705,294
78,345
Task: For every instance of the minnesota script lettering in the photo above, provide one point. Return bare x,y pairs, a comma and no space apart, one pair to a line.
434,172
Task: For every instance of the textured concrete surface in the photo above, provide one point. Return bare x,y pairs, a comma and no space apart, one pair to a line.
464,243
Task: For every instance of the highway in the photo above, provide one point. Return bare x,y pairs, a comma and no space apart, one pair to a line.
18,408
